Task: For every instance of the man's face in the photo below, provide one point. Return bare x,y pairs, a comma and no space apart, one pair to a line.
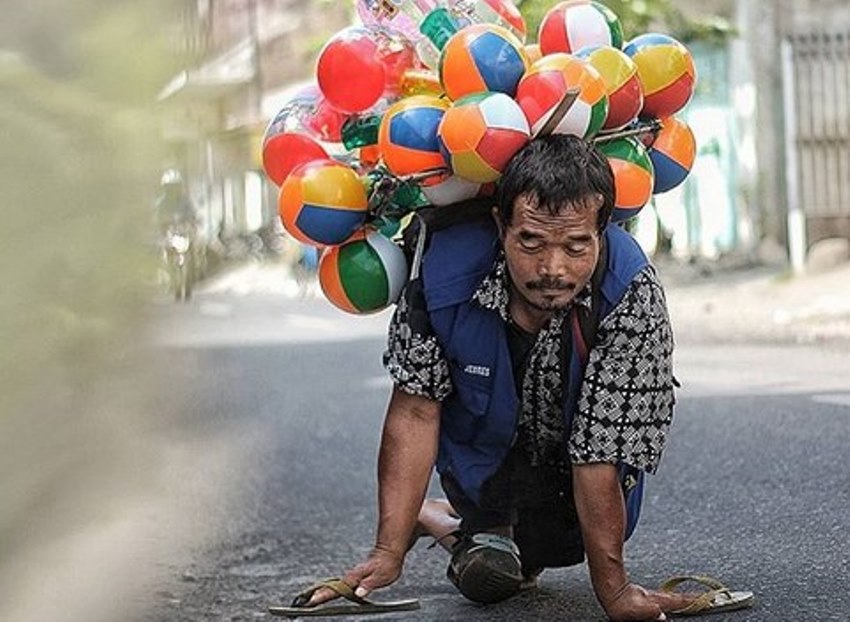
551,258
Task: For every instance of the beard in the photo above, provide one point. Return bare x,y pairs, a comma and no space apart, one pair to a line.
548,302
553,300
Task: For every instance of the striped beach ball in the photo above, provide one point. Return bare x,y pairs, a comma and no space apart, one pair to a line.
633,176
481,57
667,73
545,84
480,134
572,25
364,275
672,154
322,203
622,84
407,137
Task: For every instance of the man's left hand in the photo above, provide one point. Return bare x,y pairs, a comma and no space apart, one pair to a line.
633,603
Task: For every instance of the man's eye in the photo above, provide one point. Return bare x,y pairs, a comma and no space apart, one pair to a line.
577,248
530,244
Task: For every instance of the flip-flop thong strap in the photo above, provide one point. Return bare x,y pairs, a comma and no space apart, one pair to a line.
337,585
710,582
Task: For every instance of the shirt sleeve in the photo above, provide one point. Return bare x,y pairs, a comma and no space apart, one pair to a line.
414,358
626,401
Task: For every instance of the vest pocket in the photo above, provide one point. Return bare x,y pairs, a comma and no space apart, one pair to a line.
465,408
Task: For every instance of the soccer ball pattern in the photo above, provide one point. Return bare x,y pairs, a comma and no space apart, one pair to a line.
480,134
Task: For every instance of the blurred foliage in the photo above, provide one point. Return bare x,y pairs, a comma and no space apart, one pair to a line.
640,16
79,169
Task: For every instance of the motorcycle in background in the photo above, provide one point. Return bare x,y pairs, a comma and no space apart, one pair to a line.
179,260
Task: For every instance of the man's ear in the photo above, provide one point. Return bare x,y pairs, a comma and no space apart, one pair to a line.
497,218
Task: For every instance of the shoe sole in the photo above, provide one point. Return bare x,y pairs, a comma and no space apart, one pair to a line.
489,577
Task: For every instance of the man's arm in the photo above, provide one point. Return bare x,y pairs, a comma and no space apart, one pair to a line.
602,516
407,455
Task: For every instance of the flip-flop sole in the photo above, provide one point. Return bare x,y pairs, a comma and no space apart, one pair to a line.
344,610
722,603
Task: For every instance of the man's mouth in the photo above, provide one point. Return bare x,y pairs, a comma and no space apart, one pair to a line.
550,286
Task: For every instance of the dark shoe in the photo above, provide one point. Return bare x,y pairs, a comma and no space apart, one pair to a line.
486,568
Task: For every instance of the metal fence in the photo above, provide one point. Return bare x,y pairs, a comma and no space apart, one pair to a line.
819,68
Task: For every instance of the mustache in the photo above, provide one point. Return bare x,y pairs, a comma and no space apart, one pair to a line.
549,283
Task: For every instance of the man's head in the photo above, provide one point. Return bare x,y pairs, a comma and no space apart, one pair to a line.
557,173
555,198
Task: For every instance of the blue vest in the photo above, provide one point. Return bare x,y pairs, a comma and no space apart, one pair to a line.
479,418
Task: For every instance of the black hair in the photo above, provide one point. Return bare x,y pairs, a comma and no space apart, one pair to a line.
556,171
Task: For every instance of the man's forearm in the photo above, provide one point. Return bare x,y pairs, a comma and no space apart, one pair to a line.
602,515
407,455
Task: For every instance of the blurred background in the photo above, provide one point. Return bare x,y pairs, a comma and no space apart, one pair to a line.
107,104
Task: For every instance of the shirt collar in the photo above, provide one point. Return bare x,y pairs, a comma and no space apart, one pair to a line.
493,292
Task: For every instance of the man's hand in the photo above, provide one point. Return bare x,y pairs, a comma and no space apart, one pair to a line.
632,603
381,568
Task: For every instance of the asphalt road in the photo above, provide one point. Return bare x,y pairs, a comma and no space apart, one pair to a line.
282,403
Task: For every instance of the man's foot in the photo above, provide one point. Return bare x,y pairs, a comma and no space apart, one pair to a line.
486,568
437,519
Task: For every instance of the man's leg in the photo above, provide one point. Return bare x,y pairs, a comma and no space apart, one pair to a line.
485,564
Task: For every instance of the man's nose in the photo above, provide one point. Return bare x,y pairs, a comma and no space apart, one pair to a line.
553,263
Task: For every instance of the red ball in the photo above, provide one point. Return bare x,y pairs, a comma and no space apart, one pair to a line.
284,152
349,71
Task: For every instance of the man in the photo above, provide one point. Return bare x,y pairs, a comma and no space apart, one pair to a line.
531,356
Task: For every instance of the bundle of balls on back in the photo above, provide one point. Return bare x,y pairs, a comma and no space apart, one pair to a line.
426,102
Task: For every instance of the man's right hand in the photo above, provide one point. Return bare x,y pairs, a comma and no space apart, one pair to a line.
381,568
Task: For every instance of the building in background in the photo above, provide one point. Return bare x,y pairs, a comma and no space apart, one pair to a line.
240,55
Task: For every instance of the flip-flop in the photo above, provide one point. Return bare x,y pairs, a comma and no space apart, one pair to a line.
355,606
718,599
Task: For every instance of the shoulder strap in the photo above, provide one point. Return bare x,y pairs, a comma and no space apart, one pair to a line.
430,220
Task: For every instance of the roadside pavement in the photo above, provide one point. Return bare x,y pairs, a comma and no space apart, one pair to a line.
716,303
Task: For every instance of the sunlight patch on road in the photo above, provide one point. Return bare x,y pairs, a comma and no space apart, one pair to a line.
839,399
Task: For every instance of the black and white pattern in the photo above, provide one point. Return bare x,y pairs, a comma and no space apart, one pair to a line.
414,358
541,421
493,291
626,402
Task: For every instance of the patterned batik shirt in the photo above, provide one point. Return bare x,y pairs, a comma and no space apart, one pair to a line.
625,405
